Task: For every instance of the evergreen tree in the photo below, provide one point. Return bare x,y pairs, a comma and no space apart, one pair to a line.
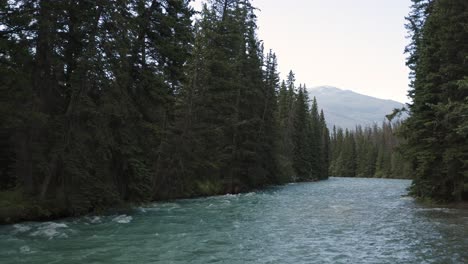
377,153
301,132
435,131
316,142
325,147
97,100
285,143
270,128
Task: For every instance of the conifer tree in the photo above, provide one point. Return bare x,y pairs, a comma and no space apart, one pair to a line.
285,143
316,141
325,147
301,159
435,131
377,153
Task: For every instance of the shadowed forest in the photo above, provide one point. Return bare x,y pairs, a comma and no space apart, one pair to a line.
119,102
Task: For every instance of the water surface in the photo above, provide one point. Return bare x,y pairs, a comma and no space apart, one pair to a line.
341,220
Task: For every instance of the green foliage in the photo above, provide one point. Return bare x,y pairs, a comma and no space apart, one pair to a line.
301,162
304,143
123,101
435,132
207,188
15,206
372,152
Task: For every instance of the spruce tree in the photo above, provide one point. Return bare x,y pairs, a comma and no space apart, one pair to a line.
285,143
377,153
325,147
435,130
301,159
316,142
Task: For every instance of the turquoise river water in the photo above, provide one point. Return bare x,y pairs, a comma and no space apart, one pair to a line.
341,220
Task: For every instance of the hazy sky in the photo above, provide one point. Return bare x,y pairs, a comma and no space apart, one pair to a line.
356,45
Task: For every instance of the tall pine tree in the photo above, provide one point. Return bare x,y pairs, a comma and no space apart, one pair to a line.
436,130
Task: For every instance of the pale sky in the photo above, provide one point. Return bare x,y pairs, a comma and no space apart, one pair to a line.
350,44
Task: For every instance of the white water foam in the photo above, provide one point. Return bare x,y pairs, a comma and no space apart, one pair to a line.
51,230
123,219
95,220
231,195
407,198
153,207
443,210
21,228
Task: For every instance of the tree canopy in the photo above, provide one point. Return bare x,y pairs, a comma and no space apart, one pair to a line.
436,132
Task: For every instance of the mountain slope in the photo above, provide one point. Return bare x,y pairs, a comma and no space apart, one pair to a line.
346,109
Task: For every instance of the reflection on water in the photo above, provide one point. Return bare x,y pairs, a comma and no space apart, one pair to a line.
341,220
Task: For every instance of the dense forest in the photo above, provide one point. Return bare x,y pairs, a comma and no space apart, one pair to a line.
114,102
369,152
436,132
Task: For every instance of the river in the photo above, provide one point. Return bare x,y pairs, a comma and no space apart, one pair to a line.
341,220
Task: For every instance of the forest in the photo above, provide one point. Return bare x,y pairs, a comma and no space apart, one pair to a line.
110,103
369,152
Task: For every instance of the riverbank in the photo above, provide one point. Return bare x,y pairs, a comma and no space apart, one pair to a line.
16,207
462,205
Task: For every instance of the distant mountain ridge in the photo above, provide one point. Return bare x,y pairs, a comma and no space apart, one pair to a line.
347,109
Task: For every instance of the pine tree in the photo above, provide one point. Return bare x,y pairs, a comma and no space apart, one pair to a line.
348,155
337,148
325,147
301,159
437,58
285,143
270,128
377,153
316,140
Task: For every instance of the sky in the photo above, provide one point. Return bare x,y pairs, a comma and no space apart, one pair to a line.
350,44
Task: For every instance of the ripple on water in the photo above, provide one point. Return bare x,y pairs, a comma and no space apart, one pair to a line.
26,250
250,194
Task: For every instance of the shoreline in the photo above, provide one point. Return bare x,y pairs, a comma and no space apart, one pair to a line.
32,211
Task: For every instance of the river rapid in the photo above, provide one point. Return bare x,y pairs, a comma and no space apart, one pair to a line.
341,220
